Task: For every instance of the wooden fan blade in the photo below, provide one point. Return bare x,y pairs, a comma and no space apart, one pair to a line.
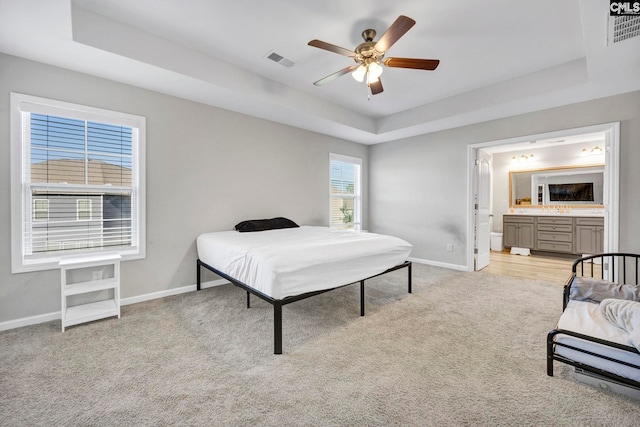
394,32
376,87
332,48
335,75
418,64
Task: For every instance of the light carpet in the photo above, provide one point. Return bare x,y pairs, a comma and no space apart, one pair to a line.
463,349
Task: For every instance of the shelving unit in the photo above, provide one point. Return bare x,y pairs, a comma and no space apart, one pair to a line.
86,275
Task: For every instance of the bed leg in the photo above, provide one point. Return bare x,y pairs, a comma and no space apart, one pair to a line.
550,354
248,299
409,281
362,298
198,274
277,327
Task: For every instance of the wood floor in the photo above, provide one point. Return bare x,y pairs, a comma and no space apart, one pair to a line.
543,267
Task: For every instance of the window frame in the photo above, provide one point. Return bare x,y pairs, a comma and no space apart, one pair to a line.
357,197
20,103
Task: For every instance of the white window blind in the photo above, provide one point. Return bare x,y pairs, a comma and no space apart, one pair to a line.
345,192
80,187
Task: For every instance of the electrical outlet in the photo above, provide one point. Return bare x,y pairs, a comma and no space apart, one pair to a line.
97,275
449,247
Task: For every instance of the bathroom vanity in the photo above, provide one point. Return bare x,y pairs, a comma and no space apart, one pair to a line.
554,233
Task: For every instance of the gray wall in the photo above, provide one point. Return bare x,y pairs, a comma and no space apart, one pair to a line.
418,186
206,170
209,168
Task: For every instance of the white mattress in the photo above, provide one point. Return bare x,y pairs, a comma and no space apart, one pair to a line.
585,318
293,261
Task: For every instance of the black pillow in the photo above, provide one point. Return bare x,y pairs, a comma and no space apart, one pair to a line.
265,224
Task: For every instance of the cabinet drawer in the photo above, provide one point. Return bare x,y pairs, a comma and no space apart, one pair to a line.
554,237
590,221
518,219
555,246
557,228
555,220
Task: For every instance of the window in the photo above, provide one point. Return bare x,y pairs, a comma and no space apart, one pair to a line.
83,209
40,210
345,192
77,182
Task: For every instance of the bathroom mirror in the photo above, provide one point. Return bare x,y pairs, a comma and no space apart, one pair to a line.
575,186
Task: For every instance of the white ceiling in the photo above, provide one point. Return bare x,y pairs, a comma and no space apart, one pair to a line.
498,57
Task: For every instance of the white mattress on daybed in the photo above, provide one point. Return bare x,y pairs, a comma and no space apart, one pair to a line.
293,261
585,318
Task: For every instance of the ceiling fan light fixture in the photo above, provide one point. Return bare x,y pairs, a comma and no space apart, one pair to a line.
368,56
375,71
359,73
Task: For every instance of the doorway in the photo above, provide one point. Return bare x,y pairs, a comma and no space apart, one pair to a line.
607,134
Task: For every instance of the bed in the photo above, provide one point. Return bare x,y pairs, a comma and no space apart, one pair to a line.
286,264
587,337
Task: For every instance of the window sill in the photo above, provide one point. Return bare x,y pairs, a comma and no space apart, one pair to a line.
53,262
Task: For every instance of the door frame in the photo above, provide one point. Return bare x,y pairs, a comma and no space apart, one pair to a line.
611,180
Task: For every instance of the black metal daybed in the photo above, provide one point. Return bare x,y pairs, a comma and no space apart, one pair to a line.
585,337
280,262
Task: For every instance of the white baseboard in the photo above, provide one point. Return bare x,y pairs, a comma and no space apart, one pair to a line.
26,321
42,318
439,264
171,292
18,323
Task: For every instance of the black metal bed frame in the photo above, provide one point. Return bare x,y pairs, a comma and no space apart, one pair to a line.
619,264
278,303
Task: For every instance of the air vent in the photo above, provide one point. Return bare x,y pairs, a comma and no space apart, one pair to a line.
622,28
280,60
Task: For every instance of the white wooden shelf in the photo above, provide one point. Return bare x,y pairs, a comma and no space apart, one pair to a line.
83,276
92,311
90,286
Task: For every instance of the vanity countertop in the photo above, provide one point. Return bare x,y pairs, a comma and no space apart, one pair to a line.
572,213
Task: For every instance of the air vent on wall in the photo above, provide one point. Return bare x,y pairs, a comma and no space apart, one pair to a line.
280,59
622,28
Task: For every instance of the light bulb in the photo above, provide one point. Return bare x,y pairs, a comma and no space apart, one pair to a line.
375,71
359,73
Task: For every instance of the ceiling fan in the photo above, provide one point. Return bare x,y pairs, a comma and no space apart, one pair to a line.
369,56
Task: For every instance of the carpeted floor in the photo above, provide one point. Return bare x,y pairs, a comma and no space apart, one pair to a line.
463,349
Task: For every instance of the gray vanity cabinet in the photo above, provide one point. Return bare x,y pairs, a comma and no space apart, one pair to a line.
554,234
589,235
550,233
518,231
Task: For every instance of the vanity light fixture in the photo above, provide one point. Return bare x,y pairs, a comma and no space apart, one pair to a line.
595,151
523,158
